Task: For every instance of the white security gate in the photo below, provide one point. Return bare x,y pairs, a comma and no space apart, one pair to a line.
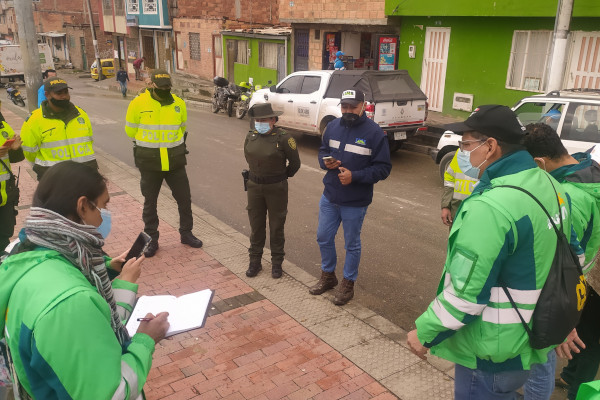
583,67
435,58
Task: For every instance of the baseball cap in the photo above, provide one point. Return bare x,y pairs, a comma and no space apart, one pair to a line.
161,77
55,84
352,97
493,120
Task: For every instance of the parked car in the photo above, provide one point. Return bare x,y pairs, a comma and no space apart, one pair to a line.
108,68
310,100
573,113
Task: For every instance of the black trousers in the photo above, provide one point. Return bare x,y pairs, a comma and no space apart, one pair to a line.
180,188
269,198
8,221
584,366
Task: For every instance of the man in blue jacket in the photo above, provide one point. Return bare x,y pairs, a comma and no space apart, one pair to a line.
356,155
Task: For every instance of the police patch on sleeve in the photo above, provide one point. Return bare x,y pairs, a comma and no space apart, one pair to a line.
177,109
5,134
292,143
81,120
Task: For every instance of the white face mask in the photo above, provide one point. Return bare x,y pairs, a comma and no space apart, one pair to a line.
262,127
464,163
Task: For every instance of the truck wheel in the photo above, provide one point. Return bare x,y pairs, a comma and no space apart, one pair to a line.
394,145
324,123
444,162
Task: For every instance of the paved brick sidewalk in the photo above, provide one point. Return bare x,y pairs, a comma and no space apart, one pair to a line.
264,338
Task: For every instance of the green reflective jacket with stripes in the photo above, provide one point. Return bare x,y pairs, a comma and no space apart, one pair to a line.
500,235
59,333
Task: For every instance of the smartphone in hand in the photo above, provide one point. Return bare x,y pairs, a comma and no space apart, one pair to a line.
329,158
8,143
139,246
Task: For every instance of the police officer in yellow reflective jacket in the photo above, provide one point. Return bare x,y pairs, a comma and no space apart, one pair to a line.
9,194
57,131
156,120
457,187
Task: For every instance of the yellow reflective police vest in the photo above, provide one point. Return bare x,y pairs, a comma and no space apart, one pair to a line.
48,141
462,184
158,131
6,132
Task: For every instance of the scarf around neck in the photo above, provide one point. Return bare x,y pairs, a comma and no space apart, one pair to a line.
81,245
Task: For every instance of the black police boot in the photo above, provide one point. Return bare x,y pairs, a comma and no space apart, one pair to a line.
253,269
191,240
151,249
276,271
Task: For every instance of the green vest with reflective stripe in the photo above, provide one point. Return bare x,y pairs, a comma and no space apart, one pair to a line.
158,131
49,141
6,132
500,235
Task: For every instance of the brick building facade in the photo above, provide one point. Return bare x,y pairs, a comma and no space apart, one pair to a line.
195,40
8,21
321,28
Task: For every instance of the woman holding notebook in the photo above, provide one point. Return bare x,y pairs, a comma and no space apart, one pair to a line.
61,318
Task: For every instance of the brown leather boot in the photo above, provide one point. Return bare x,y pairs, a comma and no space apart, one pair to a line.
344,293
327,281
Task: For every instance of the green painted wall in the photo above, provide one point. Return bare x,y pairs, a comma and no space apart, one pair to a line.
244,71
478,54
495,8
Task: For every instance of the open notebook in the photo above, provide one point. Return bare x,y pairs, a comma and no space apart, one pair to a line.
185,312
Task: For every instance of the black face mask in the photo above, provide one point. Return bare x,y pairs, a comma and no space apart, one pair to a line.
162,93
60,103
350,118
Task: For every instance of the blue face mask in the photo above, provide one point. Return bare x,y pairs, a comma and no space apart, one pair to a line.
464,163
106,225
262,127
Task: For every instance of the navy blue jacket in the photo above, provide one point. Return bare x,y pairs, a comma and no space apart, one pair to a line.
363,149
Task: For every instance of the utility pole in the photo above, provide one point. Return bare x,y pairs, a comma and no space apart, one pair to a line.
559,50
96,52
29,50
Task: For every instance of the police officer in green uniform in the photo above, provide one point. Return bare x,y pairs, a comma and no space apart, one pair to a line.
272,158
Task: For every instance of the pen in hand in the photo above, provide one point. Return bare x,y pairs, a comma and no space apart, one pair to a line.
145,319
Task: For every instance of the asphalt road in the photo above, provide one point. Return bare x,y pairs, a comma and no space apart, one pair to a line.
403,239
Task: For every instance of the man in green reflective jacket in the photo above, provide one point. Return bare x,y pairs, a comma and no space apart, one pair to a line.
500,236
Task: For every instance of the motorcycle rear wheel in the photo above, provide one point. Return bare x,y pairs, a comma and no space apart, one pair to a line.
241,109
215,105
20,102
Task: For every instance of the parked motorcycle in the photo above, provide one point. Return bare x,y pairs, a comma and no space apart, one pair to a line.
226,94
14,95
247,90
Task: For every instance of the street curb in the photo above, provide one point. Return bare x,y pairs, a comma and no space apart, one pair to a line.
379,346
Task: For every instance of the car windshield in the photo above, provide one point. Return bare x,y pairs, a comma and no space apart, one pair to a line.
546,112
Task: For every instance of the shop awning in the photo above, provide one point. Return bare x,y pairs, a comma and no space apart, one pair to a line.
52,34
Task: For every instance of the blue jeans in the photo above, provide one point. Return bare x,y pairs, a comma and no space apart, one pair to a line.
123,87
540,384
330,216
475,384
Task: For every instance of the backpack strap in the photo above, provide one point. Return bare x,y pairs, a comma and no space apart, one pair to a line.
558,232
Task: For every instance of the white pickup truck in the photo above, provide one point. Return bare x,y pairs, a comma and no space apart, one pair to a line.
310,100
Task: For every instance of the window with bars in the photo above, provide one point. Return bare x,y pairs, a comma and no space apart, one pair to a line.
194,46
133,6
119,7
267,55
150,7
242,52
529,58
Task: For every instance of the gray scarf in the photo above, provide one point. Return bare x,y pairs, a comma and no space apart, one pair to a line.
82,246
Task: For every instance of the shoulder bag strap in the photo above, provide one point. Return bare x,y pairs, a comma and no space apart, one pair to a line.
8,169
512,302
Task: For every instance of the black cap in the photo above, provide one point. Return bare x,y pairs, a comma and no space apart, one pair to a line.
161,77
492,120
55,84
263,110
352,97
